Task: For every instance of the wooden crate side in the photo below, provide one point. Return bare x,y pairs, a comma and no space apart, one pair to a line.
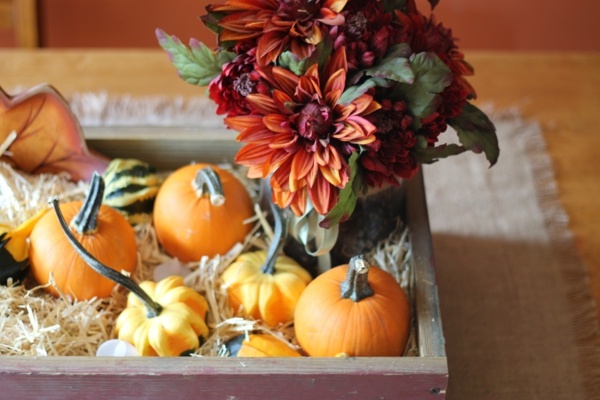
166,148
224,378
430,333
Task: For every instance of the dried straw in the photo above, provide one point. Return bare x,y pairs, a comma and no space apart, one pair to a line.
36,323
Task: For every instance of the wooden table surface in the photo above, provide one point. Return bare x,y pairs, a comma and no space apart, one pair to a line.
558,90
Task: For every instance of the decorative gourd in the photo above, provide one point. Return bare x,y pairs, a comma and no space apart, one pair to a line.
353,309
259,345
200,211
102,230
172,330
266,285
131,187
161,319
14,251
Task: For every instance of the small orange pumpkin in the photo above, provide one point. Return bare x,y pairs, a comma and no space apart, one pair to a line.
200,210
102,230
353,309
260,345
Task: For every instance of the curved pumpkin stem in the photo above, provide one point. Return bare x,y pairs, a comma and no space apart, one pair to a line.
86,220
356,285
280,230
207,180
154,309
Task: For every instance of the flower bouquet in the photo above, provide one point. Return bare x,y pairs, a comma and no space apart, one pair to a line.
333,98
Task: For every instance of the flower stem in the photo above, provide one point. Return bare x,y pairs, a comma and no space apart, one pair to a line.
279,235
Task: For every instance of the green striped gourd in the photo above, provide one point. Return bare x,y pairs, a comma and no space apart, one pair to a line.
131,187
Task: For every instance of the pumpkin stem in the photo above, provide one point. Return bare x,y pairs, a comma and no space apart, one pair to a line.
207,180
280,230
86,220
356,285
154,309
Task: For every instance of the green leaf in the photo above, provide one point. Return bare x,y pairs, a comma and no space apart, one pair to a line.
476,132
298,66
347,197
293,63
354,92
211,21
395,69
322,51
432,76
394,66
197,64
400,50
430,155
391,5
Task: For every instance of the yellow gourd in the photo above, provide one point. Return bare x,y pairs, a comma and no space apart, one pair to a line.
176,328
266,285
14,249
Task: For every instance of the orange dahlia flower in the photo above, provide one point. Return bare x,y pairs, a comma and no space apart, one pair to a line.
278,25
301,135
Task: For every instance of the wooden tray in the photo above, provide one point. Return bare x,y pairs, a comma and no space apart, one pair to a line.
393,378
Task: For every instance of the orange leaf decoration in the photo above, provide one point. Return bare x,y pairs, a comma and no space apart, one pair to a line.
48,135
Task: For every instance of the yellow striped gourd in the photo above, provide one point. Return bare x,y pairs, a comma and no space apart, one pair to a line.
131,187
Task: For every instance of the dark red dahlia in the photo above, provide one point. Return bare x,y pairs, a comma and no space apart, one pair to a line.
238,79
366,34
389,158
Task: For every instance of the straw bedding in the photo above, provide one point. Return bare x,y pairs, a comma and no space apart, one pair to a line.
36,323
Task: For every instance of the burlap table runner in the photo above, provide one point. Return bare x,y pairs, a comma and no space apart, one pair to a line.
518,315
517,311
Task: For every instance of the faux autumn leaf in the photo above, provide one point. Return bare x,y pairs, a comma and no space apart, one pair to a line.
49,138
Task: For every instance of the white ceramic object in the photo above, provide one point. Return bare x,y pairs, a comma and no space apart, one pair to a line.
116,348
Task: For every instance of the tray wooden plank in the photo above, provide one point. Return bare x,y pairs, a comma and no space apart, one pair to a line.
430,333
390,378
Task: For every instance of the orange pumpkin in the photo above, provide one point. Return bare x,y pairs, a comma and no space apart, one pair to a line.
353,309
102,230
260,345
174,326
200,210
